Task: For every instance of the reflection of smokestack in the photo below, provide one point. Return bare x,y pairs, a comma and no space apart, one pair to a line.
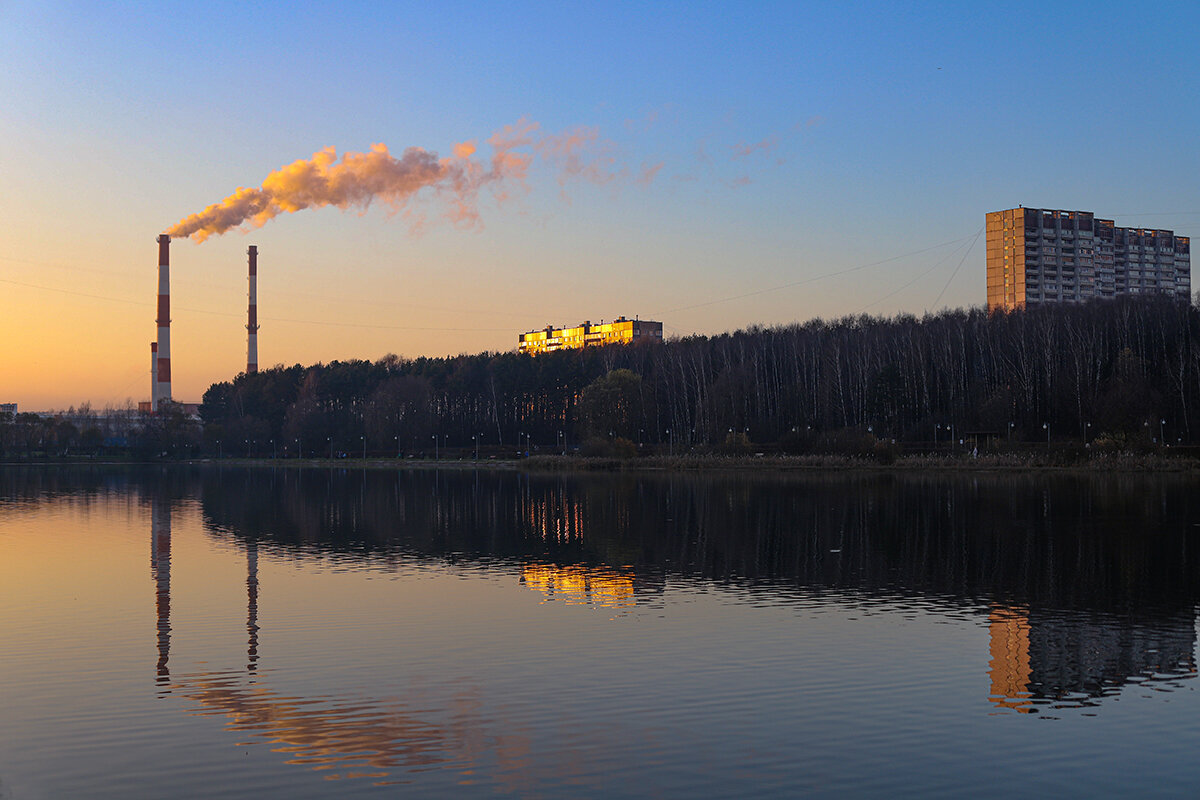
160,561
252,315
162,386
252,605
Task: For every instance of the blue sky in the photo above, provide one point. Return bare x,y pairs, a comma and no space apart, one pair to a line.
795,140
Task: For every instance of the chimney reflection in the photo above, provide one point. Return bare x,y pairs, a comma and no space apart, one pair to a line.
160,565
252,605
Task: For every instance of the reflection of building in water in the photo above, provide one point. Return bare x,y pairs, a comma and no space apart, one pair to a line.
579,584
1074,655
1009,672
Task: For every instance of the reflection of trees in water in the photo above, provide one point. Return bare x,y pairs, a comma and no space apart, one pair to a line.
1107,543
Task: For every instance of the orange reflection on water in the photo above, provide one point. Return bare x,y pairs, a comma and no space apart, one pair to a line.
579,584
365,738
1010,664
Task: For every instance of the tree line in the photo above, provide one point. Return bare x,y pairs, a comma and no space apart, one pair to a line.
1122,372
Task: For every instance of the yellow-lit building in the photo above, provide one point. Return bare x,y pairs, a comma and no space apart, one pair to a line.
619,331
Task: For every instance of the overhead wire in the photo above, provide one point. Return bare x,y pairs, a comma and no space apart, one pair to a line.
899,289
956,269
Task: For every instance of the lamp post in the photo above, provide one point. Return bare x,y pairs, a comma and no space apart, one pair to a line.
299,449
218,449
396,438
247,443
1161,435
475,442
563,446
1010,427
1046,426
364,441
274,454
330,440
670,443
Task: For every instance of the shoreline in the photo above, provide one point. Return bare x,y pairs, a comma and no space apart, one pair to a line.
988,463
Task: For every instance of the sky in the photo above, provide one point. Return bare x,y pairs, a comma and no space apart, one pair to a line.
712,166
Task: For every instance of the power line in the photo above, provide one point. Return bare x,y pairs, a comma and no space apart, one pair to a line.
956,269
897,291
238,316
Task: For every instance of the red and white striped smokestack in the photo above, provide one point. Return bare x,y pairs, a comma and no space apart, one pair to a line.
162,383
252,315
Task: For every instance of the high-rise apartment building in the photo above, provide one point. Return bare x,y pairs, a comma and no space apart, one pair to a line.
1040,255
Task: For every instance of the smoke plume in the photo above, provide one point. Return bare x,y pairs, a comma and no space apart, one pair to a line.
355,181
358,179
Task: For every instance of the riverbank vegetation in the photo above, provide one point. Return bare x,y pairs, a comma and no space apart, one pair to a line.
1065,383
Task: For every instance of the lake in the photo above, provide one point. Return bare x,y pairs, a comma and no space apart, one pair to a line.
216,631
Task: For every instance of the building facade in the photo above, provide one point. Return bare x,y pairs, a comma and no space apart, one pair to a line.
619,331
1040,255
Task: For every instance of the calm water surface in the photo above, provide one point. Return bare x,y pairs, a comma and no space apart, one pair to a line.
307,633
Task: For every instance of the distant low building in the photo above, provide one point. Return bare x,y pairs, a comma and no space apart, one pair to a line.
619,331
8,408
190,410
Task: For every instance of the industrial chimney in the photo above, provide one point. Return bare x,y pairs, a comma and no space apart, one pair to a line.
153,372
252,315
162,379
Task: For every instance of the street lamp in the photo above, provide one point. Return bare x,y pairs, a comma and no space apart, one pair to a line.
435,449
364,441
1046,427
273,452
218,448
670,443
475,443
299,449
1161,436
1010,427
330,440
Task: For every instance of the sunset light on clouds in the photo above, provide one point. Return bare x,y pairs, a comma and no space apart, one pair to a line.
433,182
